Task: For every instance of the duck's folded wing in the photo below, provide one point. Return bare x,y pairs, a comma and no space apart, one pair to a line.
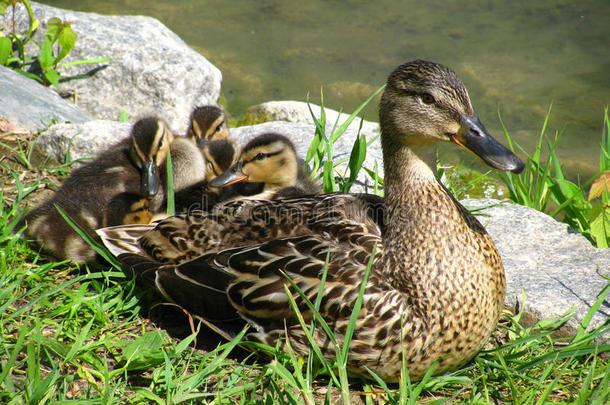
124,238
249,283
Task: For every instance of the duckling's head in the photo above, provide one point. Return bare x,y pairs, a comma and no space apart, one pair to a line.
269,158
219,156
208,123
150,140
425,102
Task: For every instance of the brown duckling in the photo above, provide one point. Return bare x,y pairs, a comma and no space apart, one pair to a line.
208,123
269,159
113,189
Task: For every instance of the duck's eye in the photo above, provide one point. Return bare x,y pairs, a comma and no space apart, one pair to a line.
427,98
259,156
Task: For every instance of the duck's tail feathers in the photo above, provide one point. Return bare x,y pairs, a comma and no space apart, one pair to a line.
124,239
198,286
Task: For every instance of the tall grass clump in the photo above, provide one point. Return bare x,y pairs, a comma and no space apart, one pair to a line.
321,151
544,187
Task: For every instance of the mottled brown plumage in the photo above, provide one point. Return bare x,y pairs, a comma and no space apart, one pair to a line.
436,284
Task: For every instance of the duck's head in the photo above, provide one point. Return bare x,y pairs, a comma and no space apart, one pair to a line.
150,140
219,156
269,158
425,102
208,123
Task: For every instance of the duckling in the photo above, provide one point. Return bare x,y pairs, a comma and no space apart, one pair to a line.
269,159
434,280
198,156
208,123
111,190
188,169
218,155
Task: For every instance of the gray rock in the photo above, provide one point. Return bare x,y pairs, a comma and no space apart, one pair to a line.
302,135
152,70
298,111
70,142
29,104
557,269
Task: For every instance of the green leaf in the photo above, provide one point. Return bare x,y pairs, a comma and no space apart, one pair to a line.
600,228
52,76
144,352
4,4
67,40
171,208
123,117
5,50
46,54
54,27
357,158
329,184
86,62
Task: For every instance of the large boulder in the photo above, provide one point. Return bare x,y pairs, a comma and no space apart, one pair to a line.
550,269
152,70
299,111
29,104
80,142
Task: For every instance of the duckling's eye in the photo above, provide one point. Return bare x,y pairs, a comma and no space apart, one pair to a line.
427,98
160,143
259,156
219,127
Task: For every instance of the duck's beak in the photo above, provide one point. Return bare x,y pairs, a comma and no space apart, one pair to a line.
233,175
150,179
473,136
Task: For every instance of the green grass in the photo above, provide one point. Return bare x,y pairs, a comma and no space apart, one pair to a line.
72,334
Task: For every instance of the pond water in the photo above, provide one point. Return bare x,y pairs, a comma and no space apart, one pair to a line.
518,57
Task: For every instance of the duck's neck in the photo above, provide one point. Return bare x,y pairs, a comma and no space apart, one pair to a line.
420,210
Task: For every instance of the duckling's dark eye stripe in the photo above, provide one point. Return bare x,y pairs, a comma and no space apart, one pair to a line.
266,155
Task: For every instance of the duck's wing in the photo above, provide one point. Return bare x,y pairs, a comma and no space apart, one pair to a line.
124,238
249,222
229,287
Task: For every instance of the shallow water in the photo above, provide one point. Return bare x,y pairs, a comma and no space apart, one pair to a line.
518,57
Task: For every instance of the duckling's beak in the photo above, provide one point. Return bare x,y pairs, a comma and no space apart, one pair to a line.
473,136
150,179
233,175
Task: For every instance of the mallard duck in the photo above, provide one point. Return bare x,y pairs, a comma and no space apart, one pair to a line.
111,190
436,286
270,159
208,123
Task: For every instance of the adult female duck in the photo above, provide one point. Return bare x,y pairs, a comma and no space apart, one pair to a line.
436,286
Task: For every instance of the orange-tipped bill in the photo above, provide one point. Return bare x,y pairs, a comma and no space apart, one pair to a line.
233,175
473,136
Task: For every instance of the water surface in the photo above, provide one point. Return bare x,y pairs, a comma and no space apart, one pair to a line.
518,57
